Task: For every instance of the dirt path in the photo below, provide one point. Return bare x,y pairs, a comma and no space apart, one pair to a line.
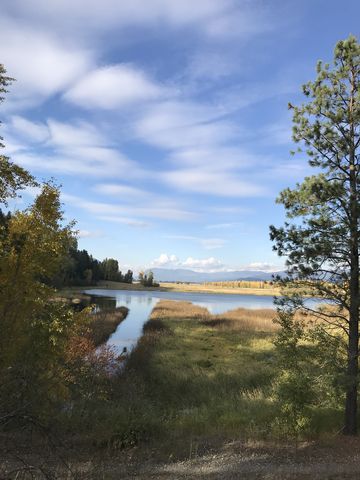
236,461
338,461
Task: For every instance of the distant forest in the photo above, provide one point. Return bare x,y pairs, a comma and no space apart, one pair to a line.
80,268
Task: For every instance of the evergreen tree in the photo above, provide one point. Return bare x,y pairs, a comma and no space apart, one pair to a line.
128,277
322,245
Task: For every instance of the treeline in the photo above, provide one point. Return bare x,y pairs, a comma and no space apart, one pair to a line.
79,268
242,284
147,279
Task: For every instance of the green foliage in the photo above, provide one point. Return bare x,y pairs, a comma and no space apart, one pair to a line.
322,244
12,177
35,331
293,387
147,279
79,268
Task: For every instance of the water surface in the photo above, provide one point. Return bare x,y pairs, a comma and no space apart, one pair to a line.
141,303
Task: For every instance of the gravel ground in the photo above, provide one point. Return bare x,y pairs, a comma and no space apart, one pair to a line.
338,460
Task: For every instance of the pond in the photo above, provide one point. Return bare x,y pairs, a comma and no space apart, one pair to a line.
141,303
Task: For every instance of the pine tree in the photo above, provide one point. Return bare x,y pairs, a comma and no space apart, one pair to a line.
322,244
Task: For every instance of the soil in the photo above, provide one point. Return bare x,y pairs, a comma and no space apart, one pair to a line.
338,459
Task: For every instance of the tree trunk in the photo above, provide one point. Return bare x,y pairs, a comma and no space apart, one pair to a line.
350,427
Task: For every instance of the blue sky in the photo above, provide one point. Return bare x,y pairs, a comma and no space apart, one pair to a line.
165,121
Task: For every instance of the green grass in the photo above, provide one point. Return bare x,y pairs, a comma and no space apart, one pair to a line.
195,379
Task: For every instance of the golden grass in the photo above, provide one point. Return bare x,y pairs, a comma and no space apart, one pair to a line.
219,287
241,284
104,323
238,319
216,287
178,310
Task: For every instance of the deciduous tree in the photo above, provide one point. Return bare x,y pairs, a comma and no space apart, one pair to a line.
12,177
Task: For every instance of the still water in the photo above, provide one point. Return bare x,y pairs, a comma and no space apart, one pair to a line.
141,303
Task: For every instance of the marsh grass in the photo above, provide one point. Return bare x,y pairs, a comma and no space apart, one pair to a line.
195,375
246,288
104,323
194,383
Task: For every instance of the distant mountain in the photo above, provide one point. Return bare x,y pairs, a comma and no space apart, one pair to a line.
184,275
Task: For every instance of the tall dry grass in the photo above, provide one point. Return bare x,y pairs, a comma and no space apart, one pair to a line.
241,284
238,319
104,323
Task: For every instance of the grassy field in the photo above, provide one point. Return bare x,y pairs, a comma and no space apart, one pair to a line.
198,377
195,400
222,287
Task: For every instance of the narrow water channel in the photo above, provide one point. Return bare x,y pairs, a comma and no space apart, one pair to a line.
141,303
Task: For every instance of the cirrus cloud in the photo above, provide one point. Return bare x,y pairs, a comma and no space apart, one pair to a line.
112,87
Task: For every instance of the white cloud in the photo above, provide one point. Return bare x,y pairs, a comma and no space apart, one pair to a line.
112,87
111,210
223,226
244,22
226,184
174,124
207,243
90,15
69,148
91,162
88,234
37,132
131,222
210,264
263,267
196,139
122,191
41,64
165,260
75,134
215,158
58,134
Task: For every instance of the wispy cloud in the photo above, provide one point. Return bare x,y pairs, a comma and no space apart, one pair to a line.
89,234
33,131
112,87
42,64
131,222
68,148
90,16
122,191
223,226
112,210
219,183
176,124
263,267
207,243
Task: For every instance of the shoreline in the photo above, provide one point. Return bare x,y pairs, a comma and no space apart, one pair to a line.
104,323
170,287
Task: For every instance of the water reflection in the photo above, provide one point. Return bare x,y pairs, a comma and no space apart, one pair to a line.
140,305
101,302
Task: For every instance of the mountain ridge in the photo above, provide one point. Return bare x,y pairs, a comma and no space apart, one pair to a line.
187,275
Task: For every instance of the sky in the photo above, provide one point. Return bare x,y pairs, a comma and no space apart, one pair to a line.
165,121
